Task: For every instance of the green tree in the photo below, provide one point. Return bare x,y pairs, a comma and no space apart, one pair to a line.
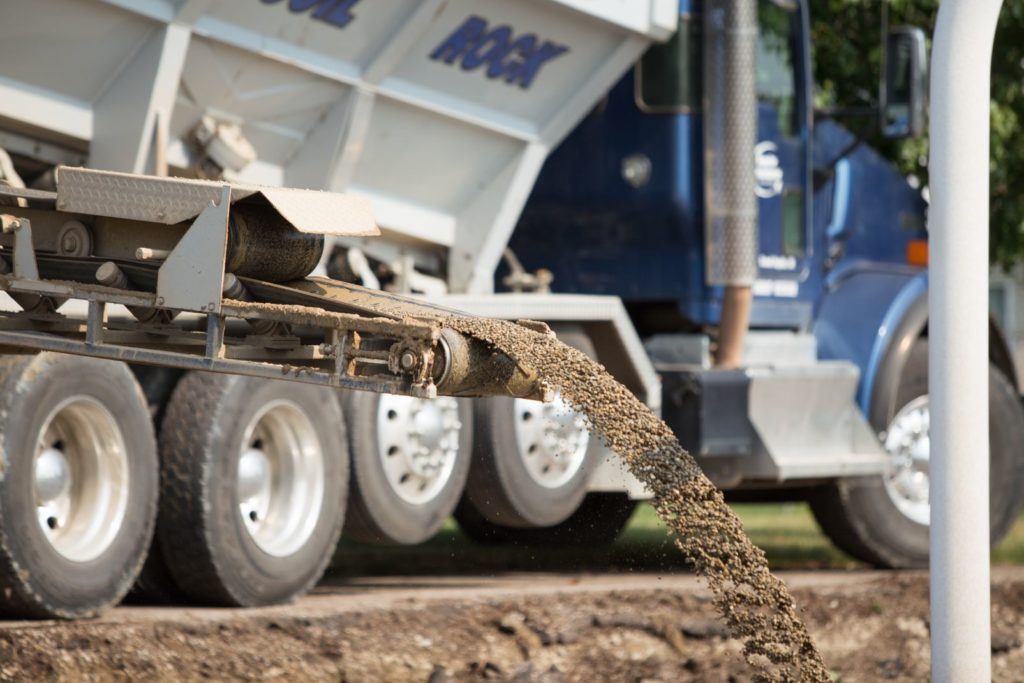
846,39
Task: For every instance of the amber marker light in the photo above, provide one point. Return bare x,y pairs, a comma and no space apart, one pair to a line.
917,253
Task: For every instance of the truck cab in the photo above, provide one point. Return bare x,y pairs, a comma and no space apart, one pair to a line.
637,166
830,405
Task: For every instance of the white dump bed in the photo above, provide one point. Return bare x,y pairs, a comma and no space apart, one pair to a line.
441,112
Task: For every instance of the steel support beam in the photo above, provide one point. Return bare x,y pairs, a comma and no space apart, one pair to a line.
958,331
125,114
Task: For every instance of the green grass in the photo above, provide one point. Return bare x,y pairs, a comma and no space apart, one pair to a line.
791,538
786,532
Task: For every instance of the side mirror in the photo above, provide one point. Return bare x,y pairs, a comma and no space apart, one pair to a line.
904,91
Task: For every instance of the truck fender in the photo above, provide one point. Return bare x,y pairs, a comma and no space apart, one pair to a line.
873,318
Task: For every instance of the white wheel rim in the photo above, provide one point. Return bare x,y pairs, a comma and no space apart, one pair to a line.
908,445
418,444
551,440
280,479
80,479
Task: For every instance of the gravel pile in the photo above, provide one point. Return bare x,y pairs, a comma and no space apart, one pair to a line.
756,605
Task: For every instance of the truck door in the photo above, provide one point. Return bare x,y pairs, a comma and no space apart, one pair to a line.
781,157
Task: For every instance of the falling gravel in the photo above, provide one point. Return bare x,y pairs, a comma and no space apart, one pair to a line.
756,605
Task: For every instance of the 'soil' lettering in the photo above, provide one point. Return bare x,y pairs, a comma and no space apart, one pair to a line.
516,60
335,12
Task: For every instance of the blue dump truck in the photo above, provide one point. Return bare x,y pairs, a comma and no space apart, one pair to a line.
650,178
626,207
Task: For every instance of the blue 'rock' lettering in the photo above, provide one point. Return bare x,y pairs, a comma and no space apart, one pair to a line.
516,60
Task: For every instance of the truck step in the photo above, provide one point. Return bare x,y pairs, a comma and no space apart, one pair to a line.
773,424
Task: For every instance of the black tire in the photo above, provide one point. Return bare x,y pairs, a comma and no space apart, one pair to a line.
210,551
154,584
860,517
598,521
500,487
377,512
157,385
55,397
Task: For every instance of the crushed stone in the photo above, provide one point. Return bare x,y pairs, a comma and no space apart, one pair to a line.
755,604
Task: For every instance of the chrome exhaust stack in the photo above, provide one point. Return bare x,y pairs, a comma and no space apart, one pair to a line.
730,135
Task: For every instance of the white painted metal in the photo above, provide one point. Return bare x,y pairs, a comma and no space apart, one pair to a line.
446,154
808,424
124,116
192,277
958,331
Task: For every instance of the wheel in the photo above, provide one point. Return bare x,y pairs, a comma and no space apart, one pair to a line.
531,460
599,520
884,520
254,477
410,459
79,488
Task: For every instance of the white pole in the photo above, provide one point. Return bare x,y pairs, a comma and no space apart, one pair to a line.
958,335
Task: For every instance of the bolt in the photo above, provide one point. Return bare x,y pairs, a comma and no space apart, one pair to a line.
407,360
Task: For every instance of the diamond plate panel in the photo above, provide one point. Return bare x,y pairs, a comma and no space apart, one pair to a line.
175,200
138,197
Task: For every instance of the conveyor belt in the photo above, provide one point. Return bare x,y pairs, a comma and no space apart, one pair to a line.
462,365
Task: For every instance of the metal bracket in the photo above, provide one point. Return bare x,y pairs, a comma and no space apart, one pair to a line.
95,319
24,253
215,328
192,277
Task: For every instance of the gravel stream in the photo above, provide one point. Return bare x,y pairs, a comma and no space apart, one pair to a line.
756,605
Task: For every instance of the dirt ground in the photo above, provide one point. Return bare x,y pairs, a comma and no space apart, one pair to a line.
525,628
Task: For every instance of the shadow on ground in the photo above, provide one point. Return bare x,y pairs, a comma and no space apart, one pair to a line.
787,533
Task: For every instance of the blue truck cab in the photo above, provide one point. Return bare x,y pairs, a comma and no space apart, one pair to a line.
839,300
619,206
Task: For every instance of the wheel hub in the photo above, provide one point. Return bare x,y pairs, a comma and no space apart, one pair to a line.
908,444
253,474
429,427
280,479
80,477
552,440
418,443
53,475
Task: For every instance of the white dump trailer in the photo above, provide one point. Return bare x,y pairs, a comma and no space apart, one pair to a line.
365,97
328,95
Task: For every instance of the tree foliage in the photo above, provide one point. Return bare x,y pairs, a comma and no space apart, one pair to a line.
846,39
